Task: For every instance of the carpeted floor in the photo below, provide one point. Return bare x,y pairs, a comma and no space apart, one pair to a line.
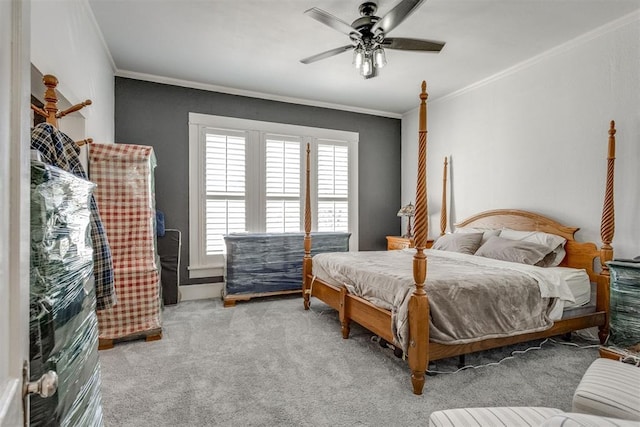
270,363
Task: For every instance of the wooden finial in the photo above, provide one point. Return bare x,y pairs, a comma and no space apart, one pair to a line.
50,81
51,98
612,139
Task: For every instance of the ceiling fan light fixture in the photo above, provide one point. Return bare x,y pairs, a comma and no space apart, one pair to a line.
379,58
367,66
367,35
358,57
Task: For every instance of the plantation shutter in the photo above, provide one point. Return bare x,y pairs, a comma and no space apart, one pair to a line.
225,184
333,186
282,164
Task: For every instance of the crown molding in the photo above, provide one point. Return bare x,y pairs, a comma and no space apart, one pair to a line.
562,48
251,94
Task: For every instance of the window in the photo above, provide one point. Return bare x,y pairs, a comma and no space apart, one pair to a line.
225,186
333,187
282,185
248,176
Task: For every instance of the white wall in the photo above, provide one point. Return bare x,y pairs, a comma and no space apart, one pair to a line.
66,42
535,137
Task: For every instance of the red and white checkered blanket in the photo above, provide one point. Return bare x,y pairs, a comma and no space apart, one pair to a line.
125,196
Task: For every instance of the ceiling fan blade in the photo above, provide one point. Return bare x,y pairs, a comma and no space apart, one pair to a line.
396,15
328,19
327,54
412,44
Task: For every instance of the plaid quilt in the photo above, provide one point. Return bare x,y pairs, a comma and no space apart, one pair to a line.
59,150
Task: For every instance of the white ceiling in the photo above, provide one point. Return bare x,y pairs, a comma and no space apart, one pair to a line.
254,46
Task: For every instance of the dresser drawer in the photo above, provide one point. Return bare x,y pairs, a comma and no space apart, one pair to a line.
397,242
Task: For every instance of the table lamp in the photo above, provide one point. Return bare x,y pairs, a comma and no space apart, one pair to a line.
408,211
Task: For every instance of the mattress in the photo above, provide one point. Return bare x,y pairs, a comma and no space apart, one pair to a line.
581,310
578,283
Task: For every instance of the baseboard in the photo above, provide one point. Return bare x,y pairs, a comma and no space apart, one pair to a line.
204,291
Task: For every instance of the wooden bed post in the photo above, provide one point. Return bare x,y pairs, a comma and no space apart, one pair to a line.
419,303
306,261
443,211
607,229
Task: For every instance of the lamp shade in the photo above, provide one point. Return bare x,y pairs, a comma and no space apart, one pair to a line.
358,57
379,58
407,210
367,66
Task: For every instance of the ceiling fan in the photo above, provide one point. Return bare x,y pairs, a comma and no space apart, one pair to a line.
368,36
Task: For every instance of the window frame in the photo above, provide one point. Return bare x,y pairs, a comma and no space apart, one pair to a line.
202,265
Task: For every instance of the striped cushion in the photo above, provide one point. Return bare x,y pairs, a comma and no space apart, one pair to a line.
482,417
611,389
570,419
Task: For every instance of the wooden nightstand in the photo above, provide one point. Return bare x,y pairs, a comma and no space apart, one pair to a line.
622,355
610,353
398,242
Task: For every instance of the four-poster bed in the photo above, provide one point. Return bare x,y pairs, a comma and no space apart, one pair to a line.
382,318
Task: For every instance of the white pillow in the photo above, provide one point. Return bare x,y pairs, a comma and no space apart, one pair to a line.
486,233
554,242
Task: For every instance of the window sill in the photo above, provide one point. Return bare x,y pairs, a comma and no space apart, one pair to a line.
201,271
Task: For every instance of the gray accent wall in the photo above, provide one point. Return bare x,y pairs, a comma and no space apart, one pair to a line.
155,114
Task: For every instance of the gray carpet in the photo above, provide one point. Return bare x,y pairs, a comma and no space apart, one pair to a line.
268,362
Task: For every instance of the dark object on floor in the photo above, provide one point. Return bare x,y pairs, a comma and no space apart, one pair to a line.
169,251
397,352
431,368
461,361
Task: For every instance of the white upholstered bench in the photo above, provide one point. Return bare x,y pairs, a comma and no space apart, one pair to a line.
521,417
611,389
608,395
485,417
